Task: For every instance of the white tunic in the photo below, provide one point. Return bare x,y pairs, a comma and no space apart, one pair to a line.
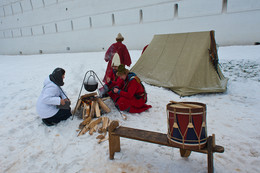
50,97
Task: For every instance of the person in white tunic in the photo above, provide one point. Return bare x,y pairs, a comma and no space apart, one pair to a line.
53,105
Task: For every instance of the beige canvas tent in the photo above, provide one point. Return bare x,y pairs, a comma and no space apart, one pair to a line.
186,63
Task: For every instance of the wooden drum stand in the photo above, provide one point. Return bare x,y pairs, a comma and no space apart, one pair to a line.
116,131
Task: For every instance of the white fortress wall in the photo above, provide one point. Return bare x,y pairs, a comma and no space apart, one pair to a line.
55,26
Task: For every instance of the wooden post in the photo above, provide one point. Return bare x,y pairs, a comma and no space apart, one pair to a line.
114,141
184,153
210,154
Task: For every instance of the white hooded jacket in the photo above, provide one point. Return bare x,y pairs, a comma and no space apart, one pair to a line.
50,97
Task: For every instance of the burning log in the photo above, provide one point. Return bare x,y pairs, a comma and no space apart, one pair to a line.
88,96
90,105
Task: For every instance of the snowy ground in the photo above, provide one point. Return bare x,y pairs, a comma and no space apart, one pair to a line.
26,145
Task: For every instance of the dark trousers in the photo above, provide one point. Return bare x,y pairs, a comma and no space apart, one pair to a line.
62,114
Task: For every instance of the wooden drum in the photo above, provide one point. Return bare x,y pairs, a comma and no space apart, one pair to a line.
187,124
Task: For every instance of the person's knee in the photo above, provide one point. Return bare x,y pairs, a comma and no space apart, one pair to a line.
123,106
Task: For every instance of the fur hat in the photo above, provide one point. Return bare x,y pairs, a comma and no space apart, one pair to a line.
119,37
121,70
115,60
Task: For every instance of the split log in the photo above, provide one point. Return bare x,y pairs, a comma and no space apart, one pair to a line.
94,129
85,122
89,126
77,106
105,123
109,122
105,98
92,109
103,105
100,137
87,110
94,122
84,110
97,110
84,130
88,95
101,140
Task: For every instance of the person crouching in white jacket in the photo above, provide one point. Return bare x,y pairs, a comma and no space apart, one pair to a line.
53,105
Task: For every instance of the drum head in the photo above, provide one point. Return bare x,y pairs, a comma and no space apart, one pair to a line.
185,106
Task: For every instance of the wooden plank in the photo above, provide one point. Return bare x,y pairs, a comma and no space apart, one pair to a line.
153,137
143,135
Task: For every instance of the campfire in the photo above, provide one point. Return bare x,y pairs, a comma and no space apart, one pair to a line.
90,108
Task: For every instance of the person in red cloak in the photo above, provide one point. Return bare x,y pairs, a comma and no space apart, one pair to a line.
132,97
122,51
112,80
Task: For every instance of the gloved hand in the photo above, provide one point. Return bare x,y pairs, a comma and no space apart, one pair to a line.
102,91
116,90
106,88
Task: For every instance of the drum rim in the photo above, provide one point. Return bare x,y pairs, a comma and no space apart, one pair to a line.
187,146
188,110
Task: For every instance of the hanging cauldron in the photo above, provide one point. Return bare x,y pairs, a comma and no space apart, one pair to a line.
91,84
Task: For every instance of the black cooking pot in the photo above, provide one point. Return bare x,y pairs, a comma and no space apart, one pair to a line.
91,84
90,88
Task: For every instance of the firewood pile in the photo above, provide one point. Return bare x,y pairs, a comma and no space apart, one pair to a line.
90,105
89,108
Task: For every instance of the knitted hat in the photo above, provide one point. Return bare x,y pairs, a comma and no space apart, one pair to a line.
121,70
119,37
115,60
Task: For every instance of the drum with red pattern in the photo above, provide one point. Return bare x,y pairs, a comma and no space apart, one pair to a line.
187,124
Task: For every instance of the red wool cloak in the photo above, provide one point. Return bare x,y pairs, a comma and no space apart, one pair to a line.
123,53
128,98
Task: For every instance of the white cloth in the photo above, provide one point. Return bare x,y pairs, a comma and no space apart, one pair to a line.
48,100
115,60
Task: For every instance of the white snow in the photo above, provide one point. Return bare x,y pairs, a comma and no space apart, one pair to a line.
26,145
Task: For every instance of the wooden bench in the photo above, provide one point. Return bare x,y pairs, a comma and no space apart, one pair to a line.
116,131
